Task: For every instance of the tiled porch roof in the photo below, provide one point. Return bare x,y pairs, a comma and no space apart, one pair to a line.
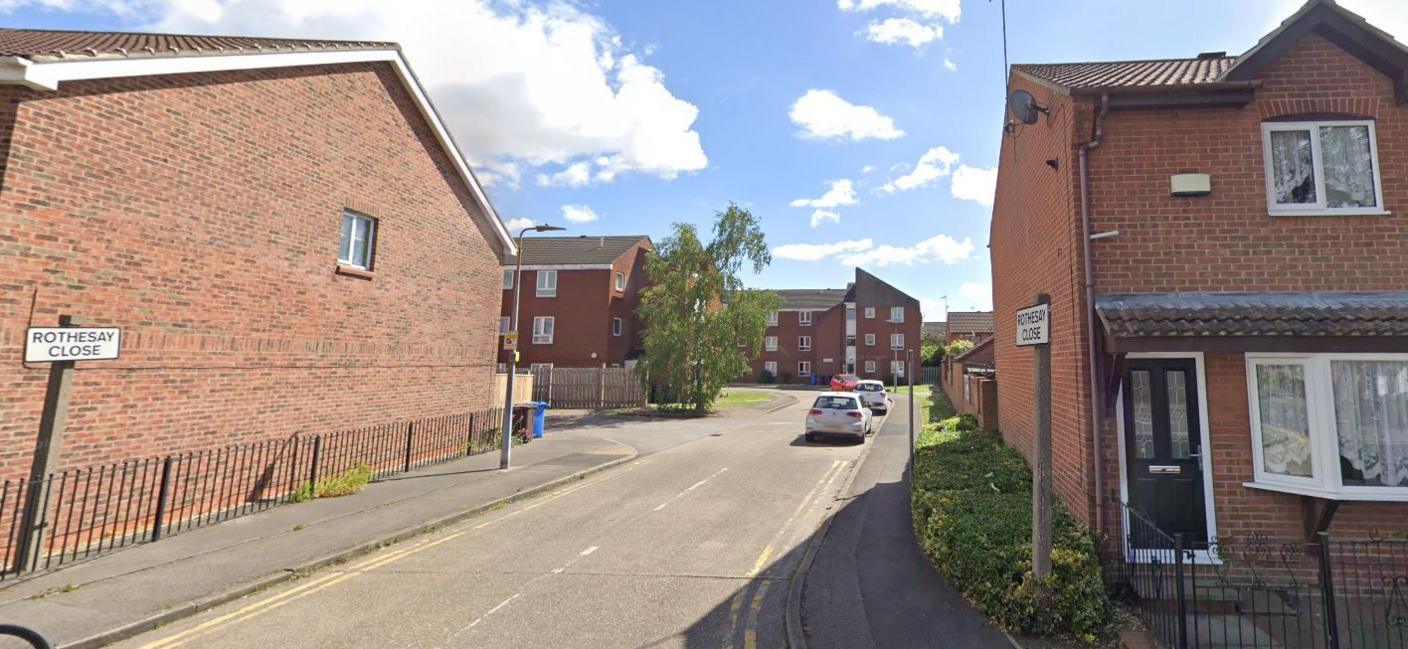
1254,314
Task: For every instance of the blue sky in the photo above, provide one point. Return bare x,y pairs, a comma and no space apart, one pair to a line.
816,115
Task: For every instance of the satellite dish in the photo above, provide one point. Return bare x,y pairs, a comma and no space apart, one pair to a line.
1024,107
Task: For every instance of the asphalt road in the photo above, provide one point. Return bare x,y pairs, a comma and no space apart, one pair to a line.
689,545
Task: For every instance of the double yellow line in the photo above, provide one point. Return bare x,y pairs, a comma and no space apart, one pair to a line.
275,601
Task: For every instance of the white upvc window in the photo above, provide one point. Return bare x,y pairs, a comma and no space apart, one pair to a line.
1323,167
896,341
620,281
896,314
870,340
804,318
870,367
804,367
870,312
508,279
615,326
897,368
772,319
1330,425
547,283
770,343
358,240
540,367
804,343
770,367
542,330
504,324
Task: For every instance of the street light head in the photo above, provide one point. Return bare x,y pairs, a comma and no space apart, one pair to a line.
547,228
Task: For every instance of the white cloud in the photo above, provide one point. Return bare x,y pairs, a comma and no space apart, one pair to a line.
575,175
867,169
936,248
936,163
932,308
975,184
578,213
949,10
548,87
842,192
950,65
977,296
822,216
514,225
824,115
817,251
902,31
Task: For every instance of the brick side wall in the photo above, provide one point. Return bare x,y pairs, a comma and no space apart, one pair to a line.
581,319
202,213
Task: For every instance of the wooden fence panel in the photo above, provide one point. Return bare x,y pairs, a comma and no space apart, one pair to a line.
588,387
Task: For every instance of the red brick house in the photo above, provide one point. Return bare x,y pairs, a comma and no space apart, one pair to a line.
1225,246
284,229
975,326
578,302
862,329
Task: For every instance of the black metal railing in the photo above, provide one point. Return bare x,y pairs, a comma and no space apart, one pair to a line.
78,513
1256,591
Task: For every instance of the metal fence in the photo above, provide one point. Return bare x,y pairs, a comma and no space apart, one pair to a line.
1262,592
588,387
931,374
78,513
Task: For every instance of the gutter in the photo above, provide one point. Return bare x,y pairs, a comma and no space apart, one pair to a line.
1090,339
17,70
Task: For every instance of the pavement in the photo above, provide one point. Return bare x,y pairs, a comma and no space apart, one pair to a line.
870,584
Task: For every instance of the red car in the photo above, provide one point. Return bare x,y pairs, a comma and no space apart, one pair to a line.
844,383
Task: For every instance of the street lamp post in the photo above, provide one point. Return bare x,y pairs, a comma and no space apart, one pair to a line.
507,437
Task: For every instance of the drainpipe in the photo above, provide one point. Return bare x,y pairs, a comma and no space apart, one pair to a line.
1095,401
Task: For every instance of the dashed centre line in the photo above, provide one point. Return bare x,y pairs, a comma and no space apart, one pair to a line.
691,488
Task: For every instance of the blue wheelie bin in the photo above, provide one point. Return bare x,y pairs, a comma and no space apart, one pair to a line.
540,416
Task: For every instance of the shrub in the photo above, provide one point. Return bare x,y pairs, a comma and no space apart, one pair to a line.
972,513
766,377
344,484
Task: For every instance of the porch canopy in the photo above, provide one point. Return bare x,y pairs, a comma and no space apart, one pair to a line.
1268,322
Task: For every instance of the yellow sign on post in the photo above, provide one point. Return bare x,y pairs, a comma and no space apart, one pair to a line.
510,341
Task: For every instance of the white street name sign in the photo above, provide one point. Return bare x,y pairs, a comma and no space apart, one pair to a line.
1034,325
52,344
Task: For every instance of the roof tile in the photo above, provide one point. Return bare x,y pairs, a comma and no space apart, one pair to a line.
1254,314
49,45
1127,74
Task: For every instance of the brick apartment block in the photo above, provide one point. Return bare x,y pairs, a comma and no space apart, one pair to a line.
196,191
1249,318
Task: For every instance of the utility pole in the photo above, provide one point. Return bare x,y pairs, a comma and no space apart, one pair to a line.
914,408
506,439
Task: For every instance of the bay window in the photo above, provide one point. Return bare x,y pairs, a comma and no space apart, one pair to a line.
1330,425
1326,167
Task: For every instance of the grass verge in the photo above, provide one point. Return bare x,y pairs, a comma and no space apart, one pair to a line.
344,484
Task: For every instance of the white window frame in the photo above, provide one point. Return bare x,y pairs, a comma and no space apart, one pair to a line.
804,367
772,319
804,343
368,232
897,368
539,367
896,341
869,340
770,367
549,288
770,343
1320,207
616,326
543,335
620,281
804,318
504,323
896,314
508,279
870,312
870,367
1326,480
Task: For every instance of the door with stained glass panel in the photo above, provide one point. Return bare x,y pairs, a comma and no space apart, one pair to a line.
1163,445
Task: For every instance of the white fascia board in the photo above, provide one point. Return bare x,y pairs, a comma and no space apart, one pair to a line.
562,267
48,75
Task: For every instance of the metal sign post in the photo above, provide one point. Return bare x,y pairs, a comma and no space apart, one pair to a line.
914,408
1034,329
62,346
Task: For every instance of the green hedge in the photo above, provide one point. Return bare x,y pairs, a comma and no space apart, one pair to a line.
973,516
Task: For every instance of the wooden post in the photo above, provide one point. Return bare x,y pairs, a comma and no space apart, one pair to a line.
1041,471
601,384
46,455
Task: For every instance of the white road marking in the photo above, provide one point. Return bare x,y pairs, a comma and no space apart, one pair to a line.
817,490
555,571
691,488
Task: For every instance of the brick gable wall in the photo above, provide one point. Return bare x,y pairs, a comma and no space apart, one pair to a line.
202,213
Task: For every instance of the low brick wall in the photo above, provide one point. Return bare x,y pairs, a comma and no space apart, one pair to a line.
974,394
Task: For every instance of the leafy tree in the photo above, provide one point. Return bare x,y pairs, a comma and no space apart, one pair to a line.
958,347
697,311
930,352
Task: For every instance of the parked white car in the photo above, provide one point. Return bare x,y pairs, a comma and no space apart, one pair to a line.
838,413
874,394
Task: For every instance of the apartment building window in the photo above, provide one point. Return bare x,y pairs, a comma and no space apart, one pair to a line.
508,279
804,318
896,314
850,341
804,343
896,341
547,283
358,240
504,324
850,312
869,340
542,330
620,281
897,368
770,343
1330,425
870,312
770,367
535,368
804,367
615,326
772,319
1324,167
870,367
